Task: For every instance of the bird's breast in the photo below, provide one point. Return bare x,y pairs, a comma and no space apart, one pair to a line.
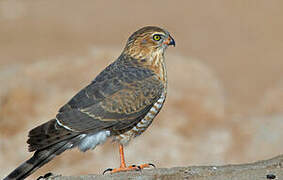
139,128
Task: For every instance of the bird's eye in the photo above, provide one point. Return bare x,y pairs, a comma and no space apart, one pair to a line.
156,37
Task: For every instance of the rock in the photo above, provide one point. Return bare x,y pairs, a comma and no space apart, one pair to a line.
267,169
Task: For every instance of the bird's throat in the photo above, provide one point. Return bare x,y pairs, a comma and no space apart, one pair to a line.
152,59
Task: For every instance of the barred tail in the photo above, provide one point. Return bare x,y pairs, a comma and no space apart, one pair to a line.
39,158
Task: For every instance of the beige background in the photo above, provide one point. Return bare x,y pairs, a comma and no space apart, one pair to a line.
225,101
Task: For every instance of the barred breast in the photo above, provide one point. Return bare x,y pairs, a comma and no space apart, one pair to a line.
143,124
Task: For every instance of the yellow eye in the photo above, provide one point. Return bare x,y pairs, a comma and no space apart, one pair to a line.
156,37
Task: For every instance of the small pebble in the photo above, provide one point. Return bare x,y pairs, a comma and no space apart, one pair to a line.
270,176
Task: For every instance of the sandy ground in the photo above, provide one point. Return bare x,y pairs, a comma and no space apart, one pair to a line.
225,78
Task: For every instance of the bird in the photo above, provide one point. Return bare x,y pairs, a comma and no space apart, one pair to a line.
120,103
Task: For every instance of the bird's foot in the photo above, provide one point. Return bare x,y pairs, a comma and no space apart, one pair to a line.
47,175
129,168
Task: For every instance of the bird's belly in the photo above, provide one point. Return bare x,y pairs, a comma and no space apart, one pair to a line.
139,128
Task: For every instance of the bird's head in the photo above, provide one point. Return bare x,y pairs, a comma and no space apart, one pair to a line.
148,41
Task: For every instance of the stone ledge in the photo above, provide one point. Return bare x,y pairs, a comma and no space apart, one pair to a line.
261,170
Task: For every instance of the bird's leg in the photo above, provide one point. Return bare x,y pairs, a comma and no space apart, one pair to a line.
122,156
123,166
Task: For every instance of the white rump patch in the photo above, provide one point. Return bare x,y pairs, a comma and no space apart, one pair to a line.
90,141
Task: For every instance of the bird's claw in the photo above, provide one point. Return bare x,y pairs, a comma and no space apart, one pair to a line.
129,168
137,168
109,169
140,167
47,175
150,164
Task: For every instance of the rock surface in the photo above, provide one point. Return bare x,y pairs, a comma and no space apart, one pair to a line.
267,169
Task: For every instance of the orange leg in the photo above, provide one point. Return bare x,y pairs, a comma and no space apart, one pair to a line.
122,156
123,166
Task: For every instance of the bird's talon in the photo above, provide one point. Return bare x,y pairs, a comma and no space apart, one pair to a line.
109,169
40,177
47,175
150,164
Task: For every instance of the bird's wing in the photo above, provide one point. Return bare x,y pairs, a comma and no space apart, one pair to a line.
117,99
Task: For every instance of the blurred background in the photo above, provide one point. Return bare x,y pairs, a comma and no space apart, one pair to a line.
225,99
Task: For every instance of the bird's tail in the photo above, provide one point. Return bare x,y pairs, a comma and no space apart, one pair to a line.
39,158
47,140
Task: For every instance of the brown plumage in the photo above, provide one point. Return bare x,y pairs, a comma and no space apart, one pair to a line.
121,102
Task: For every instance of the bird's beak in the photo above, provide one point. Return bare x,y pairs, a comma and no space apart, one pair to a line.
169,41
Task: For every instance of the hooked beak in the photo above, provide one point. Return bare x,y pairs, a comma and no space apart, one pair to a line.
169,41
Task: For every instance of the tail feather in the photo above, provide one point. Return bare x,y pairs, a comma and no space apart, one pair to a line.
39,158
